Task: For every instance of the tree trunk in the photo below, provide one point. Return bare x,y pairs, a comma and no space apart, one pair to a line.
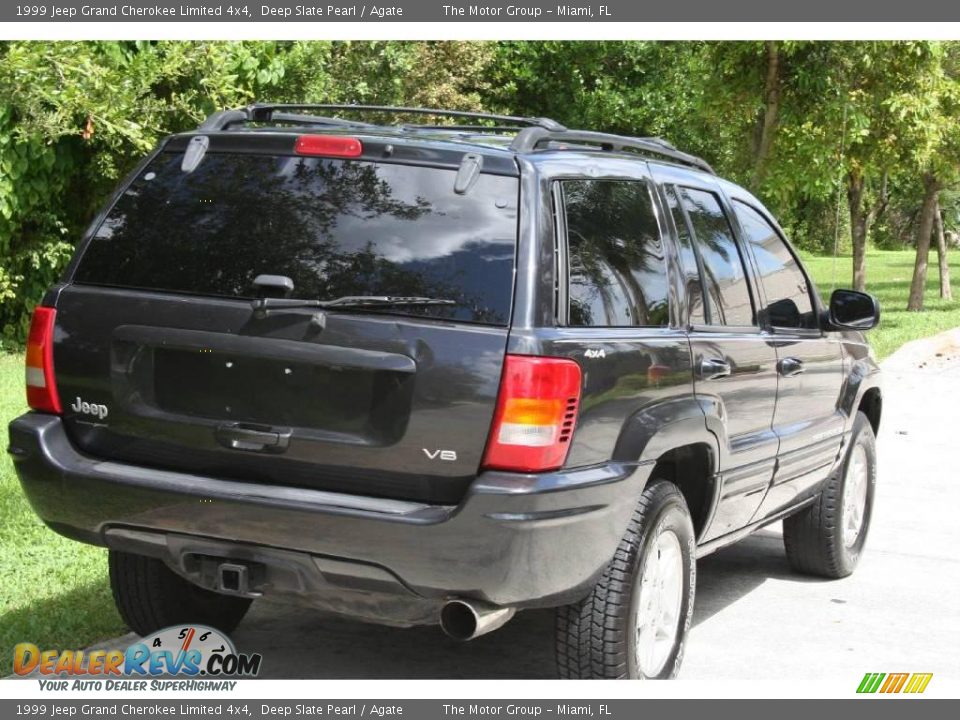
931,191
859,224
945,292
861,220
771,112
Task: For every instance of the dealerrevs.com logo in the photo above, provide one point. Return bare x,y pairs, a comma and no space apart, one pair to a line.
187,651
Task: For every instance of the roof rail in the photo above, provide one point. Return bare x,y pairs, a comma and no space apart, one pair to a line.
466,128
263,112
317,120
531,131
224,119
528,139
220,120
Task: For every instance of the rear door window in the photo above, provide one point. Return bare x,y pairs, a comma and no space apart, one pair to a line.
724,272
615,256
784,284
335,227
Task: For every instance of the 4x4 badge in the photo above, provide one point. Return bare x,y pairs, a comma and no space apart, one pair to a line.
598,353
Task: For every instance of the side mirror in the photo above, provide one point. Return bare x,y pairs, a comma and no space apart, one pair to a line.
852,310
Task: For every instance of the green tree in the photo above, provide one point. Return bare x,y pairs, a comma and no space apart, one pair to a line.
75,116
822,111
935,146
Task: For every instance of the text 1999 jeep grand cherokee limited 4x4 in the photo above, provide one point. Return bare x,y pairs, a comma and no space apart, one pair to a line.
423,374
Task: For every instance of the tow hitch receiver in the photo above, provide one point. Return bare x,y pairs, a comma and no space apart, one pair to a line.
234,579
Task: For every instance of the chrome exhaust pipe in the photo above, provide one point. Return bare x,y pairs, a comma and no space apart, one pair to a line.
467,619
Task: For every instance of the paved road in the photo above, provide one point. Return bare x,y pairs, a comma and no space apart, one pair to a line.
754,618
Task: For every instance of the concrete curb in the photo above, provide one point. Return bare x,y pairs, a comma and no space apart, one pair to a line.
912,354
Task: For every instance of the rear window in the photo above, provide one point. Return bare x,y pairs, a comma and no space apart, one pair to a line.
335,227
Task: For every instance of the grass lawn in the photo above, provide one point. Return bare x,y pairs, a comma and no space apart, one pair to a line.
888,277
54,592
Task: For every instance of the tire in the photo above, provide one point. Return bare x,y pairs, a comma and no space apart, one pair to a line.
819,540
597,637
150,597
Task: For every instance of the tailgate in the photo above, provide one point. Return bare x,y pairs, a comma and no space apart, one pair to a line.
162,362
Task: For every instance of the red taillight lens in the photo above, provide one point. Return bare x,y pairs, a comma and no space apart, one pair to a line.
328,146
41,384
536,414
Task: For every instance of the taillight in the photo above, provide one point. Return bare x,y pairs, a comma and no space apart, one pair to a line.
328,146
41,384
536,414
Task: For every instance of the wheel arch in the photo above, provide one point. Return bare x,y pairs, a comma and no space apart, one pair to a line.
689,467
862,387
674,437
871,405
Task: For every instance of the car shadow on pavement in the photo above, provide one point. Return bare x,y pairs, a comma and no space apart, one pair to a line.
299,643
737,570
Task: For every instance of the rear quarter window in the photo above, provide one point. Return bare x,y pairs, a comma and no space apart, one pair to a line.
615,255
335,227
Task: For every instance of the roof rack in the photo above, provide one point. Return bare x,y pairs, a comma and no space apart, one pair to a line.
226,118
531,131
466,128
262,113
529,138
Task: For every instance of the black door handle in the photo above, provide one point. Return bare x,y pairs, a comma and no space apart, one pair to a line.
713,368
254,438
790,366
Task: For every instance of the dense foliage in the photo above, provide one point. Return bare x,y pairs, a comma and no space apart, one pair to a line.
806,125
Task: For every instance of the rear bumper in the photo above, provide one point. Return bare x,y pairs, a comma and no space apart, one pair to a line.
514,540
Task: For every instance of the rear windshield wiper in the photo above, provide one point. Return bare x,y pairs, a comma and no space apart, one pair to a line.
383,301
262,306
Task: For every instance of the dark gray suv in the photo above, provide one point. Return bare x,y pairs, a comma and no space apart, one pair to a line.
421,374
